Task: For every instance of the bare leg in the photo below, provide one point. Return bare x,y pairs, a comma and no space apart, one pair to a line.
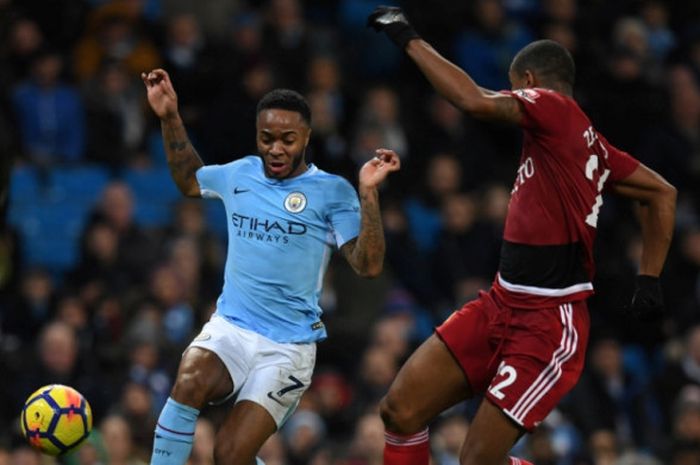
202,377
428,383
243,432
490,437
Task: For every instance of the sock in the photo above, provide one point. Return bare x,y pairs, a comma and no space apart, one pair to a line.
259,461
517,461
412,449
174,434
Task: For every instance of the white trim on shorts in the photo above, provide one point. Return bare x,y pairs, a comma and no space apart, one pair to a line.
552,372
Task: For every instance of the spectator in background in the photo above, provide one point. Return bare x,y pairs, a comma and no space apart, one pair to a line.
287,42
113,35
118,441
24,314
24,41
685,289
443,177
660,36
304,433
679,374
485,50
169,294
447,439
116,121
57,362
49,113
136,407
192,62
673,145
328,145
367,446
466,258
137,251
378,124
100,270
377,369
146,369
609,397
624,100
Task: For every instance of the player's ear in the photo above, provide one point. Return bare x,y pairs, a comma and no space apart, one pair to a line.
530,79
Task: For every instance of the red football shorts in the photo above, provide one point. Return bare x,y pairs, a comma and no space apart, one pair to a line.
524,360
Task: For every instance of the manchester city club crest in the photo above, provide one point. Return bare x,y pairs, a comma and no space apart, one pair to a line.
295,202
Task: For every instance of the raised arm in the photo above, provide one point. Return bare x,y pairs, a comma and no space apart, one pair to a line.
448,80
657,208
183,159
365,253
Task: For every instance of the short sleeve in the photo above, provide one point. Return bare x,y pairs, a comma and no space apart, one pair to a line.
621,163
542,109
212,181
344,212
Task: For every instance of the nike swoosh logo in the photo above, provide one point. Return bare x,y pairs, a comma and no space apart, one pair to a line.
236,190
269,394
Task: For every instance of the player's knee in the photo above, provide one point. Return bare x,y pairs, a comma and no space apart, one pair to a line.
228,452
191,388
397,417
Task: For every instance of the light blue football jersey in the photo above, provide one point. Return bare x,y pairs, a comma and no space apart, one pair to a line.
281,234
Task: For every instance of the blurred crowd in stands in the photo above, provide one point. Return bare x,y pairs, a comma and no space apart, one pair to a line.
106,273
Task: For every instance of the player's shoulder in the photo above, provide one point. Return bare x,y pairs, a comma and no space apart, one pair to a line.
330,182
541,95
333,179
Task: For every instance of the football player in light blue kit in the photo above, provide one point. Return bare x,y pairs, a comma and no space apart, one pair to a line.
285,217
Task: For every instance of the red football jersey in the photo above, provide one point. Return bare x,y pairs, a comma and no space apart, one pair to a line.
547,254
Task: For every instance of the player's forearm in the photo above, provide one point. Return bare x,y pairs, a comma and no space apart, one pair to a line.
368,254
657,219
183,159
448,79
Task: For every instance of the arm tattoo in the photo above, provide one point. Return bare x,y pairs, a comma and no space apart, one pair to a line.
366,252
183,159
175,145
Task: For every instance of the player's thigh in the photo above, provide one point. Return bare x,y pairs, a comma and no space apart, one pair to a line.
243,432
541,361
280,377
428,383
201,377
491,435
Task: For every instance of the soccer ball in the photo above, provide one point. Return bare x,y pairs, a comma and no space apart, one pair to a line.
56,419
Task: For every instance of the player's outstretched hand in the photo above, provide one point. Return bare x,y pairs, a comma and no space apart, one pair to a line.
647,301
378,168
161,93
392,20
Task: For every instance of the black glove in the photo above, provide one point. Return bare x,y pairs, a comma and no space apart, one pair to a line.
392,20
647,302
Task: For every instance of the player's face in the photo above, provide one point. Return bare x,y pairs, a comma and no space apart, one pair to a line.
282,139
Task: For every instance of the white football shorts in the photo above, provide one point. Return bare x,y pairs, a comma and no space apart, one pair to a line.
266,372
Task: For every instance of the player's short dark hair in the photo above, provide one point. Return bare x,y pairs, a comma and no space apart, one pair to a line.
285,99
548,59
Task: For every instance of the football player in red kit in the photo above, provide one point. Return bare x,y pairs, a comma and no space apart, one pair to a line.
522,343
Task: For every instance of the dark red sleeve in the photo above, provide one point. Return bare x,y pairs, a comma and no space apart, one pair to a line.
621,163
542,109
